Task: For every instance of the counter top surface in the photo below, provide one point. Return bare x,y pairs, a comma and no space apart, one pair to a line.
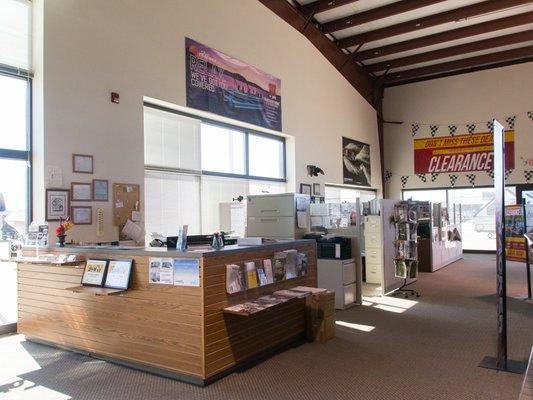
164,252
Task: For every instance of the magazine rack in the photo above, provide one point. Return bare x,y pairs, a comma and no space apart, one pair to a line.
406,254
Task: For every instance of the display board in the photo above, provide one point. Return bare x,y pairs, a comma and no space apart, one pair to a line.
126,199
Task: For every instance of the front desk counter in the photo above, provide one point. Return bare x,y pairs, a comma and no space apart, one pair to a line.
175,331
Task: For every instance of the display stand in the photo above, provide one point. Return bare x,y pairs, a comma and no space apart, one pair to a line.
500,362
406,256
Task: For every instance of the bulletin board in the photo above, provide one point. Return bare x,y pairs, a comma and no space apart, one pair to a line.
126,198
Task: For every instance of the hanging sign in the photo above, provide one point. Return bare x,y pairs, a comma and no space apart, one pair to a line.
515,247
460,153
225,86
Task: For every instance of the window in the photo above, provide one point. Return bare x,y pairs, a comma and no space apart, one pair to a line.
223,150
477,211
342,194
180,189
266,156
15,34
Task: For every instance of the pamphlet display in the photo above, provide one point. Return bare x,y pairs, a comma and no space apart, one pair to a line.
94,273
284,265
118,274
406,257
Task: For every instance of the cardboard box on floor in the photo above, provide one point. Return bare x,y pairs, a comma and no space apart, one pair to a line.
320,316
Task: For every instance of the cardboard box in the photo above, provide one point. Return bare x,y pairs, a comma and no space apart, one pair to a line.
320,316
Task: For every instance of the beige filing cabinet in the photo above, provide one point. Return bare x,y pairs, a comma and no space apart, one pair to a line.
276,215
373,249
338,276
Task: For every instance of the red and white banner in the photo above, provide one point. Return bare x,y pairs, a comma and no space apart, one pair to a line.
460,153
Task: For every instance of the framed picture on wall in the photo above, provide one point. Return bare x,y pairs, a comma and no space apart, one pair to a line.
82,215
355,162
80,191
82,164
316,189
305,189
100,190
57,204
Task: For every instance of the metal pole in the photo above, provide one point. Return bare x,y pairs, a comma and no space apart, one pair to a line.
528,271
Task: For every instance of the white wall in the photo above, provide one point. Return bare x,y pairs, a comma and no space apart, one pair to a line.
136,47
478,96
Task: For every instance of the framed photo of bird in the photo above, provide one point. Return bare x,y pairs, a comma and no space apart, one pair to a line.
355,162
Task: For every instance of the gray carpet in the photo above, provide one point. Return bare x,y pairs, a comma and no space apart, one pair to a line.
423,349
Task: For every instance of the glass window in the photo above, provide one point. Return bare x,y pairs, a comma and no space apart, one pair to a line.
13,198
171,140
266,157
435,196
223,150
338,194
14,106
171,200
15,34
478,221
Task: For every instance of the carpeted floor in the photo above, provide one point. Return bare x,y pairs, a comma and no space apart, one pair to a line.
390,348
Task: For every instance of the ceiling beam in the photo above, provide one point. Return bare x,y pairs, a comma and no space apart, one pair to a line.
486,59
486,44
319,6
375,14
431,20
357,77
442,37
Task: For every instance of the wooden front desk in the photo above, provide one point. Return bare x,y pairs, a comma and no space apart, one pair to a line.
179,332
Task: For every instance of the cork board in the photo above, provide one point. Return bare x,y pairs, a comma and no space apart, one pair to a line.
126,198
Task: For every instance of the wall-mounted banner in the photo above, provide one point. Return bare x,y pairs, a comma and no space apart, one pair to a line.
460,153
515,247
356,162
225,86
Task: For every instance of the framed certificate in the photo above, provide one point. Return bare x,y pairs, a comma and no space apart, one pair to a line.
80,191
94,273
118,274
82,163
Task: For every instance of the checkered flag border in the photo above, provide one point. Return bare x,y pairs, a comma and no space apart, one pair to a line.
433,130
472,179
414,129
511,121
434,176
404,179
422,177
530,115
453,179
452,129
388,175
471,128
490,173
528,175
490,125
508,172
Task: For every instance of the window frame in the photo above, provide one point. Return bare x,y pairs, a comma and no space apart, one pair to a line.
23,155
246,132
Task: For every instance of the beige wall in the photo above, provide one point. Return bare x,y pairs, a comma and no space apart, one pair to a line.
479,96
136,47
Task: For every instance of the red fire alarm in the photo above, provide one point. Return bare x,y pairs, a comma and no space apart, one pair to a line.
115,97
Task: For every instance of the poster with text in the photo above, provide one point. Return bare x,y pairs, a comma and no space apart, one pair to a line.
356,162
462,153
223,85
186,272
515,247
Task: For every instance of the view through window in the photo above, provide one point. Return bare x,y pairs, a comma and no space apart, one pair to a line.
477,206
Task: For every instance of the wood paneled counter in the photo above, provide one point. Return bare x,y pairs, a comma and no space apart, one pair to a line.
176,331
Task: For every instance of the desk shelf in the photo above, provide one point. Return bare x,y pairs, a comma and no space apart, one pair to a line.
96,291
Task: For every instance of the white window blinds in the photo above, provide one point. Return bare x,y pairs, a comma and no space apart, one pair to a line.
15,34
171,200
171,141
